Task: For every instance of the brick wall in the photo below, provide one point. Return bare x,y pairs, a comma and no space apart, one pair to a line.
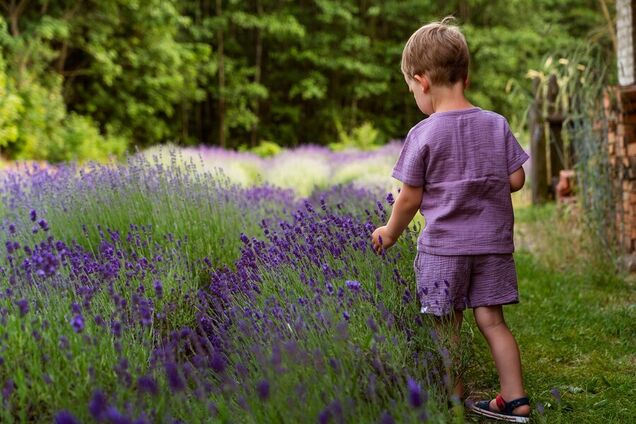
622,152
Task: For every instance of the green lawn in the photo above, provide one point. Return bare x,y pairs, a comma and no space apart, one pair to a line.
576,327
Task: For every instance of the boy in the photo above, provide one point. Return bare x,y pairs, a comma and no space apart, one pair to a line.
458,167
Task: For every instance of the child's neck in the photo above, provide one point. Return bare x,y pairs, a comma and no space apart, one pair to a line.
444,99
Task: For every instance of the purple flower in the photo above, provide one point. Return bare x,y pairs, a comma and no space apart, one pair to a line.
11,229
386,418
115,417
262,388
43,224
158,288
175,381
353,285
415,393
77,322
115,328
346,315
8,388
372,325
33,215
23,305
217,362
65,417
75,308
557,395
390,199
147,384
98,320
334,364
98,404
324,416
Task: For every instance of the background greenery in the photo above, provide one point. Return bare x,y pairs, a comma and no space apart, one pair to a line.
86,79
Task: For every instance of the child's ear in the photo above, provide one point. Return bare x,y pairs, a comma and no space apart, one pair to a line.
423,82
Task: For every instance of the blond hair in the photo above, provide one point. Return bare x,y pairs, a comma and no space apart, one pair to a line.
438,49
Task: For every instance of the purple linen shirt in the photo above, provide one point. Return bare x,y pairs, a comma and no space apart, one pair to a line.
463,158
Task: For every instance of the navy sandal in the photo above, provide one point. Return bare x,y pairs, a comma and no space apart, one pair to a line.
505,409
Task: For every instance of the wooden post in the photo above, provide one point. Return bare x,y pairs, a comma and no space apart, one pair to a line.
555,124
538,167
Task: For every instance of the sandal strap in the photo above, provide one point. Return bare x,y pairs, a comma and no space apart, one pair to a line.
508,407
502,405
514,404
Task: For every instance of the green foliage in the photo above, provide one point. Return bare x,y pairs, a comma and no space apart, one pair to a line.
364,137
11,107
264,149
35,125
194,71
34,121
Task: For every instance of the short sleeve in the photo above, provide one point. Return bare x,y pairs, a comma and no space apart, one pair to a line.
410,167
515,154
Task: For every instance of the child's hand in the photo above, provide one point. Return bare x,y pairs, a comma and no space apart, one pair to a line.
382,233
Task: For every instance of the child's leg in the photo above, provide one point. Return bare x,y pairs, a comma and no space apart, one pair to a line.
505,352
443,326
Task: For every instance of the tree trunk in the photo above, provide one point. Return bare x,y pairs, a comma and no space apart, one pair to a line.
257,74
221,108
15,11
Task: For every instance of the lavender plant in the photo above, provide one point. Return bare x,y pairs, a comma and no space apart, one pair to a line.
150,293
288,169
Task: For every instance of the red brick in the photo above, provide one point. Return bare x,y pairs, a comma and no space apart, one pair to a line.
629,119
630,132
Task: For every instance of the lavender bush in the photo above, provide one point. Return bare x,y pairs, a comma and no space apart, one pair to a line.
148,292
302,169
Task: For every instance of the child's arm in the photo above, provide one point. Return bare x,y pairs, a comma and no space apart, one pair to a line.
404,209
517,180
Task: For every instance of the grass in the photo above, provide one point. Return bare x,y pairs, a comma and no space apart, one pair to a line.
574,325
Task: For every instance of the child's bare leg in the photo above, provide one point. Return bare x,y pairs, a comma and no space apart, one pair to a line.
505,352
452,322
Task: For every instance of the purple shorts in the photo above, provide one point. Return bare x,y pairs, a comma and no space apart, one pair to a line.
446,283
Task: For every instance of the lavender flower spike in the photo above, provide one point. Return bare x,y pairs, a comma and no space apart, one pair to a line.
353,285
65,417
415,393
78,323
